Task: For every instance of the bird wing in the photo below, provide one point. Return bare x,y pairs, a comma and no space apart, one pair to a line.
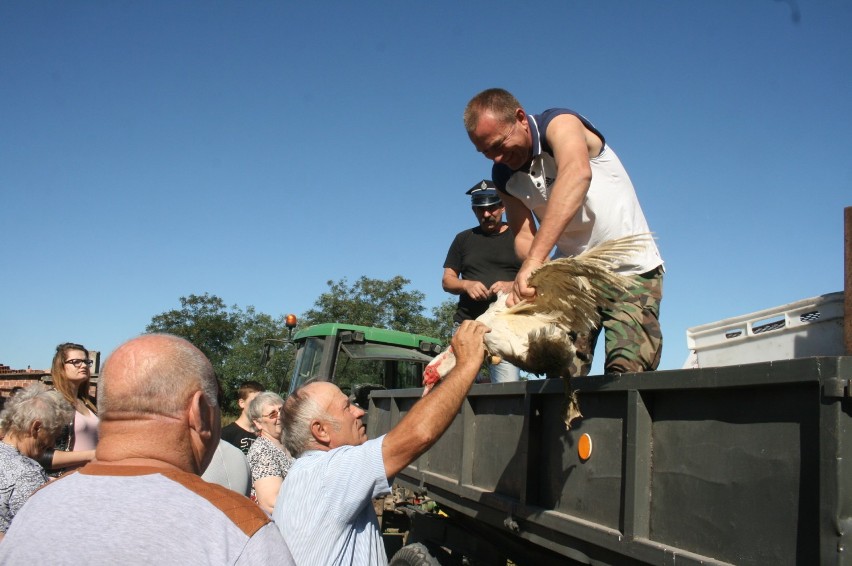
575,286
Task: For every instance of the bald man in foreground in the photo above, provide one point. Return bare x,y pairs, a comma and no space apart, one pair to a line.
142,500
324,508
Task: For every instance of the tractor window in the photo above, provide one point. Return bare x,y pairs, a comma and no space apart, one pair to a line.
384,365
409,374
352,371
357,378
308,360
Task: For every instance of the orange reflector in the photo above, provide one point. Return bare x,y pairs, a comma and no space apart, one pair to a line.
584,447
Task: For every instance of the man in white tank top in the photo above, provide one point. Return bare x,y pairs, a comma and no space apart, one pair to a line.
565,188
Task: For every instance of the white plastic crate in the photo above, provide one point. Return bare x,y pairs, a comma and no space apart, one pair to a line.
810,327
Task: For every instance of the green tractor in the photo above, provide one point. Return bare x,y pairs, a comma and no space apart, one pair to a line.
358,359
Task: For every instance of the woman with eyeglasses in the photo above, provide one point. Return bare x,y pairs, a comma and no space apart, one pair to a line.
76,443
268,460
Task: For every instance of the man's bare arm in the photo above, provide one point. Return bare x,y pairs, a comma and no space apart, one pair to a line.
522,223
427,420
569,140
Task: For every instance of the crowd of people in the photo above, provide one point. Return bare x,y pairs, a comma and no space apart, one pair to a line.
46,431
158,435
150,451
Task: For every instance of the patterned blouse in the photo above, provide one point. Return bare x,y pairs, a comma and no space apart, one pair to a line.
266,459
20,476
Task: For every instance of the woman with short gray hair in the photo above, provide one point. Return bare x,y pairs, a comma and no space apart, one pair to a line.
268,460
31,420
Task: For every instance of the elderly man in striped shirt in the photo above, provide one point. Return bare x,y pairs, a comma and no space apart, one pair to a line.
324,509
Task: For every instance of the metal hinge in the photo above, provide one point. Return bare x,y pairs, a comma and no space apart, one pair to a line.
836,388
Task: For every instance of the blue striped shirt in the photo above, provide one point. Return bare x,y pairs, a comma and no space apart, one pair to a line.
324,509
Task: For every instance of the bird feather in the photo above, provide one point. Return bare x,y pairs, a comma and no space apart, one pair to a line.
538,335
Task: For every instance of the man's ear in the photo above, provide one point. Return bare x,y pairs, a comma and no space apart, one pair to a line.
204,420
320,432
201,414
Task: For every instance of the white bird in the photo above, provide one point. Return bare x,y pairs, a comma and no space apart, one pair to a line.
538,336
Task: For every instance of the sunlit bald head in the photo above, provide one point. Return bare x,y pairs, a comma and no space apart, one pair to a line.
154,373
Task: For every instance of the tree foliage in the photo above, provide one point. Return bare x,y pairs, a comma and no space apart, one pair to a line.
233,338
203,320
243,362
440,325
369,302
383,304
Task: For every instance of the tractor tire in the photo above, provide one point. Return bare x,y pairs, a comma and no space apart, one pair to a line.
414,555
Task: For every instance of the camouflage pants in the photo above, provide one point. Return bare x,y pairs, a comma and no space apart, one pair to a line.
631,325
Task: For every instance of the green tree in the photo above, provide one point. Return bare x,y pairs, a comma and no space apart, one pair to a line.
370,302
231,338
243,362
205,321
440,325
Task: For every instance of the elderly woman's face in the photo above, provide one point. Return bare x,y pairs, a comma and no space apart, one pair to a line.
270,420
76,366
36,441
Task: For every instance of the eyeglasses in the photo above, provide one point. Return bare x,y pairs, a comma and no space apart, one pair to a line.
273,415
79,363
494,148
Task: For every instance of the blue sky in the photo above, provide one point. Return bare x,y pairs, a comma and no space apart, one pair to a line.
256,150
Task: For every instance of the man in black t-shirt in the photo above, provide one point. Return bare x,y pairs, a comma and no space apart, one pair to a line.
481,263
240,433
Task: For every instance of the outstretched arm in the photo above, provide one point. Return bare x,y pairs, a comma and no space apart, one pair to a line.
427,420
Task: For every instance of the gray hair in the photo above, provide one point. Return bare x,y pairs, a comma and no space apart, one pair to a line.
300,410
255,408
36,402
163,381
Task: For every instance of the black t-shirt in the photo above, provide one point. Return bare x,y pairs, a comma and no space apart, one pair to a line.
238,436
481,257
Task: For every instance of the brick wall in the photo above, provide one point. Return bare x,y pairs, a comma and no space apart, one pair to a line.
10,380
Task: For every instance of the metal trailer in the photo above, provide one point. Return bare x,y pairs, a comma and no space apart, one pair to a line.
746,464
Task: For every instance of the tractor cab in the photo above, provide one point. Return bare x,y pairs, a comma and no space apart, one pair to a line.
360,359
